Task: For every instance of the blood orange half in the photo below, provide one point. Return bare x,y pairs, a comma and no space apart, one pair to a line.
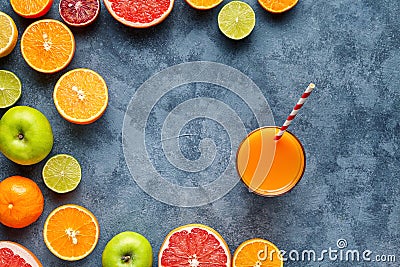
139,13
194,245
13,254
79,12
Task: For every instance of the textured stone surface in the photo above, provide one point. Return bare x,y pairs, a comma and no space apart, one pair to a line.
349,127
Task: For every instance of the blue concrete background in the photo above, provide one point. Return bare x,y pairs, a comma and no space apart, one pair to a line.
349,127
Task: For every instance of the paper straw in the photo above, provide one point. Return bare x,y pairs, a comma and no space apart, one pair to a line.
295,110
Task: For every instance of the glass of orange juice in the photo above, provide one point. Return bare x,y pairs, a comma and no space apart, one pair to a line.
271,160
268,167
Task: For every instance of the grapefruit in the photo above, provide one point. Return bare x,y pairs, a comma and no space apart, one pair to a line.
194,245
13,254
257,252
139,13
71,232
79,13
203,4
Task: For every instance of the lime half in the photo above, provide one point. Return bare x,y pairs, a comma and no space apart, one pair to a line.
10,88
62,173
236,20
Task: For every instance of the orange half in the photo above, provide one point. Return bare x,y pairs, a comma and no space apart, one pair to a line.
277,6
71,232
14,254
31,8
8,34
257,252
81,96
203,4
48,45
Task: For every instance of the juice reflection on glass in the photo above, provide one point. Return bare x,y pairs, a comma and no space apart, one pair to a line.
269,167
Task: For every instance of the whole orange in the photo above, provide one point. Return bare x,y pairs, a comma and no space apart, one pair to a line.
21,202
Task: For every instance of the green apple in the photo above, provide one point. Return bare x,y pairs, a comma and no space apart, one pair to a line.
128,249
25,135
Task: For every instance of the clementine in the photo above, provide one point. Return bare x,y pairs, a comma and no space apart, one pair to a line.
21,202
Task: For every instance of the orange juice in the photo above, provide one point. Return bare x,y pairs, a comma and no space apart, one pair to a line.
269,167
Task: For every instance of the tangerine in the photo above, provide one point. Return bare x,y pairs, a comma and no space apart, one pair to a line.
21,202
203,4
79,13
8,34
81,96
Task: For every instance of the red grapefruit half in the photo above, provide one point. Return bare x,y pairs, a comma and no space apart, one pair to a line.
79,12
194,245
139,13
13,254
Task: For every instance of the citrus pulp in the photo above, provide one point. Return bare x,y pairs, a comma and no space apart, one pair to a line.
71,232
8,34
13,254
236,20
79,12
277,6
139,13
194,245
62,173
203,4
10,89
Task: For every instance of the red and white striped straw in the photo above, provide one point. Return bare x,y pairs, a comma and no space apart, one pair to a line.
295,110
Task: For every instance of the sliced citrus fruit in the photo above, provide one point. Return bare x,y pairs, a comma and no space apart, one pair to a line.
8,34
10,88
277,6
257,252
81,96
203,4
48,45
31,8
14,254
139,13
62,173
79,12
236,20
194,245
71,232
21,202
